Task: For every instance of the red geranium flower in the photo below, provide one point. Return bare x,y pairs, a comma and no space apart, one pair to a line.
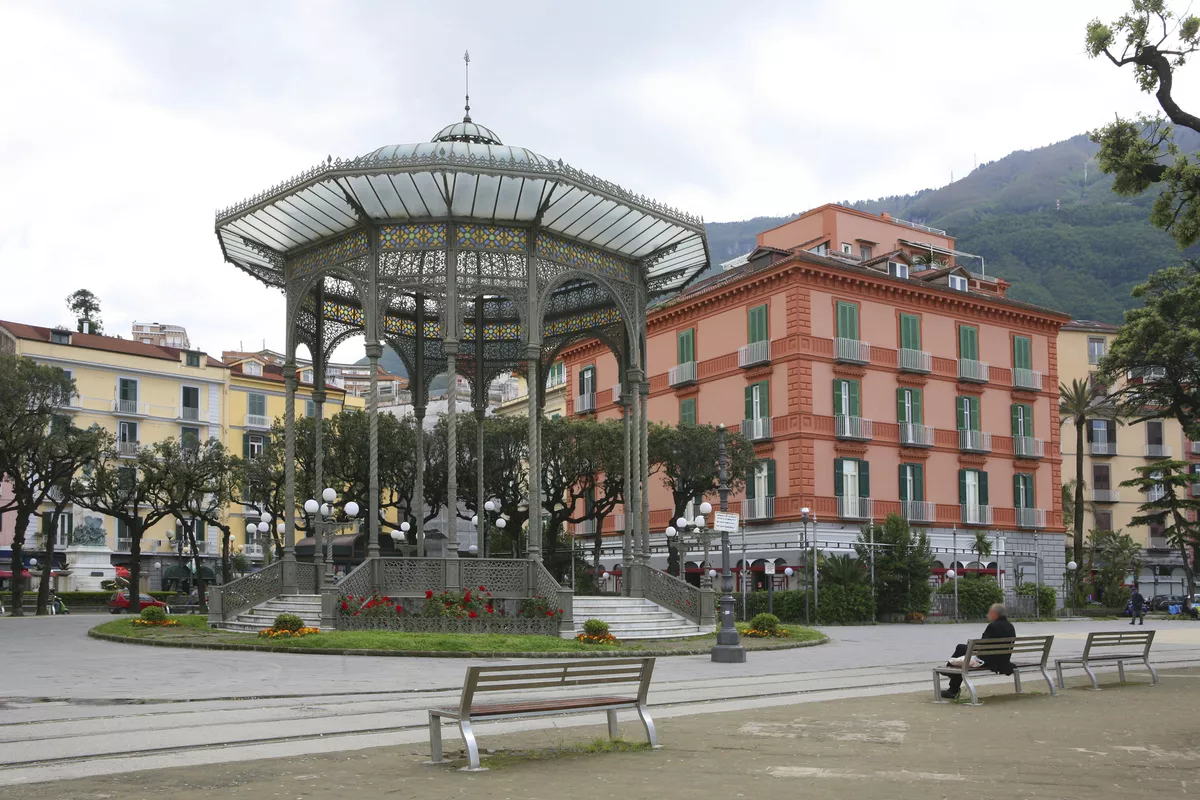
467,596
428,593
472,615
489,609
398,609
345,606
482,589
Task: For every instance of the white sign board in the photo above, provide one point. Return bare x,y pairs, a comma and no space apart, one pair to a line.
725,521
769,568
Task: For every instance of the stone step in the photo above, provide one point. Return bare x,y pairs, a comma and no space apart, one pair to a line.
645,626
267,620
620,619
681,632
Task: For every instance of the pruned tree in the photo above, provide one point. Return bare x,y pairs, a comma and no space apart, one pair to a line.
30,396
347,465
128,489
1141,152
1166,485
505,478
902,565
686,457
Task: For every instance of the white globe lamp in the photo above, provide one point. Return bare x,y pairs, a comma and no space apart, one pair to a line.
951,574
352,509
712,573
329,495
789,572
670,532
263,527
706,508
251,527
501,523
489,506
475,519
681,522
326,510
473,549
397,536
311,507
1071,565
700,521
404,526
281,527
265,517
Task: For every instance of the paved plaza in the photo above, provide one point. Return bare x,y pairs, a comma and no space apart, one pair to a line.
75,707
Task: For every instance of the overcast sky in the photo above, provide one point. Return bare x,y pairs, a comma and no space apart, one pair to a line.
125,125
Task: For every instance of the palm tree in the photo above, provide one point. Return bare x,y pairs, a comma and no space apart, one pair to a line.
929,261
842,571
1068,501
982,546
1077,402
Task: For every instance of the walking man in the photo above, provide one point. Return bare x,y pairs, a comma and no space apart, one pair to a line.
1137,607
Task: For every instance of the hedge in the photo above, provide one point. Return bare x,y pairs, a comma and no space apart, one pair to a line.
99,599
840,605
975,595
1047,598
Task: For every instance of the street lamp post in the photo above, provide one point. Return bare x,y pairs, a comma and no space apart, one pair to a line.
703,537
728,649
480,522
1071,578
952,575
806,519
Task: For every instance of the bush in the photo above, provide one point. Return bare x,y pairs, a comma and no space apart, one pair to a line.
1047,598
975,595
766,623
595,627
288,622
840,605
153,614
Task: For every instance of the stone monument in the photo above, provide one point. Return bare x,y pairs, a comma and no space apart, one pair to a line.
89,557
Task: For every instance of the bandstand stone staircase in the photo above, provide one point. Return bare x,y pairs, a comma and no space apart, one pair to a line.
305,606
634,618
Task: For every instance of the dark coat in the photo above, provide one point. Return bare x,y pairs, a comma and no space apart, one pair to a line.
1000,629
1137,604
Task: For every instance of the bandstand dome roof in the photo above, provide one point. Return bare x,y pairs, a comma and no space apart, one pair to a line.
464,174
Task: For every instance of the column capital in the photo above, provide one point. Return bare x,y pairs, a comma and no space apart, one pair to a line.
374,350
533,351
318,396
450,347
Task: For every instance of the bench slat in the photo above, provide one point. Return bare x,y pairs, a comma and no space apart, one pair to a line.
536,706
549,684
633,674
559,666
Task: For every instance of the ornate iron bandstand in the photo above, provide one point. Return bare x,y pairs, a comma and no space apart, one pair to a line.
469,257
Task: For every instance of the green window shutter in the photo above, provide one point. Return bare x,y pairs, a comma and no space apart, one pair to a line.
1016,419
750,483
910,332
864,479
960,407
962,487
245,445
855,407
1022,352
904,468
968,343
687,411
687,349
918,482
837,396
983,488
757,324
1028,419
901,410
847,321
918,417
764,398
1018,482
973,403
770,477
749,402
838,488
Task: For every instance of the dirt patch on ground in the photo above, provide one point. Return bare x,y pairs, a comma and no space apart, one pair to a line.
1128,740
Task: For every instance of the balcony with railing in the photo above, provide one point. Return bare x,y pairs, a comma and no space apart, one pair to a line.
1028,447
682,374
755,353
124,545
585,528
252,550
618,520
757,430
1031,517
851,351
855,507
975,441
189,413
976,514
130,408
1106,496
1103,447
258,421
919,510
1027,379
914,434
756,508
1158,451
914,360
852,427
585,402
973,371
128,449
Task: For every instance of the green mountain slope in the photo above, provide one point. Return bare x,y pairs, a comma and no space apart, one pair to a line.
1063,241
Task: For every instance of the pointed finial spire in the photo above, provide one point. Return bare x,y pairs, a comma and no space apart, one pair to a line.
467,68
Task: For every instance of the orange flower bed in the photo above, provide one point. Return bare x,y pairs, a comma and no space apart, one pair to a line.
271,633
166,623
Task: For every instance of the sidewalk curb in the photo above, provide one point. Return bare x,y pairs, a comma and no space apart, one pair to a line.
334,651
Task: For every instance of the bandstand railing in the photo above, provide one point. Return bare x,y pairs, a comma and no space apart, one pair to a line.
688,601
227,601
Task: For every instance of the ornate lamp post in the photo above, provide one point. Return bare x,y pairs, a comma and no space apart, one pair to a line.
1071,578
728,649
807,519
480,523
952,575
702,536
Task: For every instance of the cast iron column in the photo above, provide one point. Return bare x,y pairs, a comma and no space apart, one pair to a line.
288,562
374,352
728,649
627,533
318,398
534,548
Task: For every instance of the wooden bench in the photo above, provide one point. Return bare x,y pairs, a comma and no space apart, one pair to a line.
1034,648
1139,641
585,672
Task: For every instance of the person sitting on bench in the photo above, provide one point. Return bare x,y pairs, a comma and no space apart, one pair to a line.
998,628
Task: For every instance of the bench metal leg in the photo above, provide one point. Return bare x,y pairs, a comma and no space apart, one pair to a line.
1121,670
1017,680
1092,675
435,739
613,731
1062,684
937,688
971,689
648,723
1049,682
468,735
1153,671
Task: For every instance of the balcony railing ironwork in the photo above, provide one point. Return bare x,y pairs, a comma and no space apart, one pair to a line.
758,508
754,353
914,434
976,514
919,510
127,448
975,441
682,374
852,427
1103,447
1027,379
756,430
1028,447
855,507
1158,451
852,351
1106,496
189,413
914,360
129,407
974,371
585,402
258,421
1031,517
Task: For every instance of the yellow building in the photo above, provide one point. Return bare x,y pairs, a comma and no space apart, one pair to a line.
515,402
256,398
1111,454
142,393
